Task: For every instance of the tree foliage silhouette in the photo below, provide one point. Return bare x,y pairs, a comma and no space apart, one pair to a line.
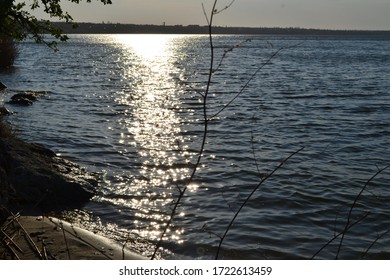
18,22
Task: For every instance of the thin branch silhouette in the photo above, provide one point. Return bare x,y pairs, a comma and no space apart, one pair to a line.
253,149
206,119
216,11
229,50
244,87
203,143
373,243
353,206
249,197
339,234
350,224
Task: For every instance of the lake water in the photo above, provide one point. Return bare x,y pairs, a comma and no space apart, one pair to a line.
129,107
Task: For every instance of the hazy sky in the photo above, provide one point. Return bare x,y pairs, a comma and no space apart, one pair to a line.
329,14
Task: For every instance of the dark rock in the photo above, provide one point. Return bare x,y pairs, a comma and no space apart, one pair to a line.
2,86
5,112
33,175
26,98
21,101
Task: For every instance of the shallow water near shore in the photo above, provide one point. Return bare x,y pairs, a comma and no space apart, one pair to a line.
127,106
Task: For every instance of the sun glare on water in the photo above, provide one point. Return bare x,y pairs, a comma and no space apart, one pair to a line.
147,46
151,124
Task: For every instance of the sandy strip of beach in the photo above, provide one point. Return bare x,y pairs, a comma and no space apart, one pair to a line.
48,238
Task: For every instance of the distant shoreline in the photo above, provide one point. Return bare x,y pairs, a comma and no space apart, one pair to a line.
117,28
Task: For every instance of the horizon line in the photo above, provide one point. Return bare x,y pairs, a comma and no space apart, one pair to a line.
225,26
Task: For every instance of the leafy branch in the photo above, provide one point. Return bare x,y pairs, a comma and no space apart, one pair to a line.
18,23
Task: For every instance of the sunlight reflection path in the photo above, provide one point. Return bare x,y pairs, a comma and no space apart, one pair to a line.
152,126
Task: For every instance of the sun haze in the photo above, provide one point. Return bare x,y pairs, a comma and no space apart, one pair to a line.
330,14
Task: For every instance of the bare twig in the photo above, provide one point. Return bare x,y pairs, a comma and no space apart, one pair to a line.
353,206
205,229
228,203
11,240
29,239
243,88
373,243
205,14
337,235
249,197
65,239
253,150
205,132
12,251
216,11
124,246
44,250
14,216
227,51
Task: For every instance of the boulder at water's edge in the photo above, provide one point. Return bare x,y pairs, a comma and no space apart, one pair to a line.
33,175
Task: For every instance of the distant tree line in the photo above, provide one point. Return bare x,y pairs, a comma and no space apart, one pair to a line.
118,28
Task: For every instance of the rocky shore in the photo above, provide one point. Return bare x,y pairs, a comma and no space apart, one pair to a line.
33,177
36,183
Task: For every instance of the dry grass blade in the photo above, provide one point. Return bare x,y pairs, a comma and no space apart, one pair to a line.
11,240
65,239
44,250
12,251
14,217
29,239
